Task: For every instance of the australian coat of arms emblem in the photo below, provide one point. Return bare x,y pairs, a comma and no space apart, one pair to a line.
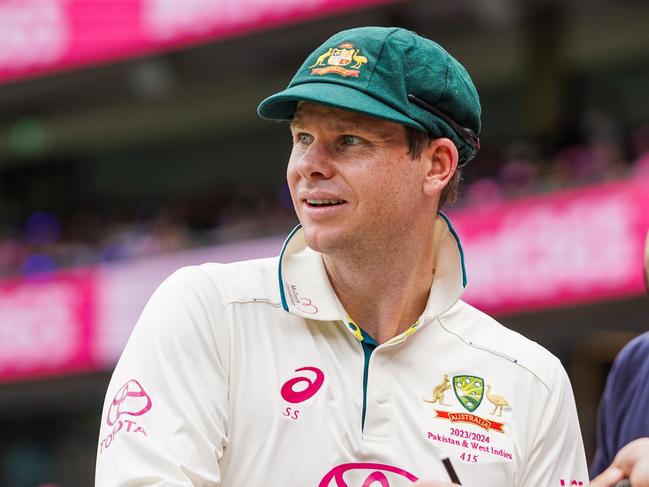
344,60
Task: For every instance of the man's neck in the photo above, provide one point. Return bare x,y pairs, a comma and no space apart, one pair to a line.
384,291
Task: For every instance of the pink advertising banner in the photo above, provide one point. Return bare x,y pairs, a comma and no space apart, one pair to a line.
46,325
558,249
44,36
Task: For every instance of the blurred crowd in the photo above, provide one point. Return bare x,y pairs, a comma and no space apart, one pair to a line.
45,241
106,233
521,169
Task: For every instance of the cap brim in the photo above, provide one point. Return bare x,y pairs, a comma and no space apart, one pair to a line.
282,105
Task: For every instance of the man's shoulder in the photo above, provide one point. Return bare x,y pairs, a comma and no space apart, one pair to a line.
242,281
483,333
633,359
637,350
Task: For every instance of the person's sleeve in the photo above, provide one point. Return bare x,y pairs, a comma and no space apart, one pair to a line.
606,435
164,421
555,450
620,419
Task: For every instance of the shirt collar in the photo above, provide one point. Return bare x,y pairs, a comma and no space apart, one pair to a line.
305,289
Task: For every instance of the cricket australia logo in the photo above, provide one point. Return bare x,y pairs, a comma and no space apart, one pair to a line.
469,390
344,60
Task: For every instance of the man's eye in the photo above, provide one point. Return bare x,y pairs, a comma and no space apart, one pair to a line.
351,140
303,138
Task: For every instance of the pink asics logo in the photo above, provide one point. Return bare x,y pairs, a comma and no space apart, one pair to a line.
130,399
300,388
379,476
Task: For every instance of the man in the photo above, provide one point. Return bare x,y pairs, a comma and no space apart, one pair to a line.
317,368
623,419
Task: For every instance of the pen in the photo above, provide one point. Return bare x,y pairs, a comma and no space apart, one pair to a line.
451,471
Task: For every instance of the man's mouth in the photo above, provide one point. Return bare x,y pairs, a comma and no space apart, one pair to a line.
320,203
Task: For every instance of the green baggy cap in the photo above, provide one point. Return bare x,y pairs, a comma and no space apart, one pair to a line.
389,73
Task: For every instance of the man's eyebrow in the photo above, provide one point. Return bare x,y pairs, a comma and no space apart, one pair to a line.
345,125
296,120
383,133
380,132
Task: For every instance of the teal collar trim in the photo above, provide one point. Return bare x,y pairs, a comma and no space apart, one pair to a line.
304,286
282,294
367,338
305,290
459,246
369,345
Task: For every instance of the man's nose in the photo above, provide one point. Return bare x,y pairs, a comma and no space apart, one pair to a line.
316,162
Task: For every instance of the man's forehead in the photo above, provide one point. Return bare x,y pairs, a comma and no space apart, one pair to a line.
308,112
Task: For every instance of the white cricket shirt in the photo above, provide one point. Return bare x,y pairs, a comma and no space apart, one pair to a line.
251,375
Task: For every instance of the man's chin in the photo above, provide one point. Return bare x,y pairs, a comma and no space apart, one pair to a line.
323,241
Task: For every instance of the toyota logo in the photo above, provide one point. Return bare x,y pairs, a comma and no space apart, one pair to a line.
130,399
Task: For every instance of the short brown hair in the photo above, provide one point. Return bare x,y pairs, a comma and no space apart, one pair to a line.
417,141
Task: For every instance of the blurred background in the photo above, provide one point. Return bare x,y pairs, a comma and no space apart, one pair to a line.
130,146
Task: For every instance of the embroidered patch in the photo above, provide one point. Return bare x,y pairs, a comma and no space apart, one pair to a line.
498,401
469,390
439,390
344,60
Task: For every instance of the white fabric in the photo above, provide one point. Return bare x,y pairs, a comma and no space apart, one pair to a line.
202,393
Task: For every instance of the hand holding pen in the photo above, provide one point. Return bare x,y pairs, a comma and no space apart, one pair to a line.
630,467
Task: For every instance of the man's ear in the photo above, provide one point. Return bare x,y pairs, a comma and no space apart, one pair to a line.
440,161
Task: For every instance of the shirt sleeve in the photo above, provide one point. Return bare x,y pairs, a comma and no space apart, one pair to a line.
165,416
620,420
606,441
555,448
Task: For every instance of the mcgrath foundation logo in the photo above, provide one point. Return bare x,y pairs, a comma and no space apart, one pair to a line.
131,399
366,475
302,304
